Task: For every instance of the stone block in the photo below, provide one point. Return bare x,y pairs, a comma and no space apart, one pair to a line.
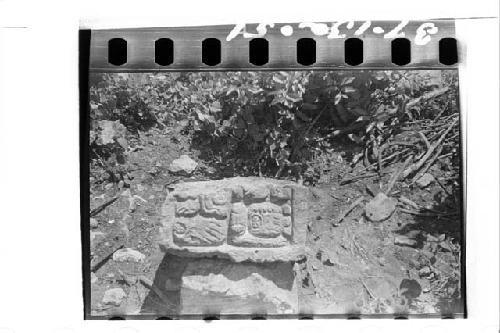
222,287
241,219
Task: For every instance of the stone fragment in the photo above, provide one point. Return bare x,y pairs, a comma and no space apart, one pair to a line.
257,192
94,236
93,278
424,271
380,208
93,223
445,246
184,164
405,241
224,287
444,262
372,189
128,255
113,296
280,193
425,180
410,288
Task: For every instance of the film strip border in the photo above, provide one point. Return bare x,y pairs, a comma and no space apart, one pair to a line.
334,45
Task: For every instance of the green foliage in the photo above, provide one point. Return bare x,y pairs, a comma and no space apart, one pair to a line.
266,123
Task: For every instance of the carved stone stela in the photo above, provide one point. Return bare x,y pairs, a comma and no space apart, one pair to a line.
252,217
237,214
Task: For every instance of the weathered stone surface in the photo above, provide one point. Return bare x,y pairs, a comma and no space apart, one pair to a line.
113,296
93,278
425,180
405,241
380,208
93,223
95,236
242,218
184,164
212,286
128,254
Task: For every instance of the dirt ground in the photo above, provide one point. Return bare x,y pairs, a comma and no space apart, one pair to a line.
352,267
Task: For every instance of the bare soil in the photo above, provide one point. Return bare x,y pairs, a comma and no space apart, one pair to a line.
352,268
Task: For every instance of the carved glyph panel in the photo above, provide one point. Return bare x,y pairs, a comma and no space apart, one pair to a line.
245,215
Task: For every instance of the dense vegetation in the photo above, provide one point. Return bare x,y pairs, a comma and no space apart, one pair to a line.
269,123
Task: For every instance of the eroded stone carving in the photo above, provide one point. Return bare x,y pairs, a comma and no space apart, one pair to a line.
237,214
201,220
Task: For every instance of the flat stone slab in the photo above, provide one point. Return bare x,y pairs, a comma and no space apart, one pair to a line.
221,287
241,219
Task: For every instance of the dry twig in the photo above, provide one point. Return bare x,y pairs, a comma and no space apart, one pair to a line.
412,212
395,177
367,289
100,208
409,202
347,211
424,97
415,167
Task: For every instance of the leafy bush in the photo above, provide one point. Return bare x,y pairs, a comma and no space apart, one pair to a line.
266,123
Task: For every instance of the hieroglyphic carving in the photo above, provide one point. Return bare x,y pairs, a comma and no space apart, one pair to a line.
261,216
202,219
249,215
265,220
239,219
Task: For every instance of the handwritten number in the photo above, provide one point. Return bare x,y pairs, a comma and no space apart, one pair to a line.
396,32
424,33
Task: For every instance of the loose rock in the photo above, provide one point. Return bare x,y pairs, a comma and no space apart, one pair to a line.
95,236
410,288
425,271
328,262
425,180
113,296
128,254
238,288
93,223
405,241
183,164
380,208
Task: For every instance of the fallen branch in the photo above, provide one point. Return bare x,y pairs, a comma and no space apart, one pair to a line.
301,141
409,202
99,209
425,97
383,160
367,289
445,155
428,165
395,177
412,212
105,260
415,167
347,211
424,138
352,179
442,186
